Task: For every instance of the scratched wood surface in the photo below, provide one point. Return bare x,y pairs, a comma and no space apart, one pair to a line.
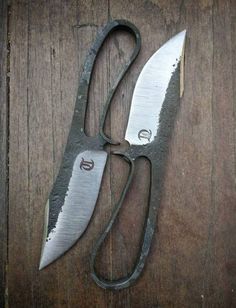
192,262
3,148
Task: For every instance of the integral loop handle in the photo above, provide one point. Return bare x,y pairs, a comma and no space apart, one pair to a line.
154,200
107,284
83,89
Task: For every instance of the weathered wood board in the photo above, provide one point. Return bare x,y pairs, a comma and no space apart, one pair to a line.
192,262
3,149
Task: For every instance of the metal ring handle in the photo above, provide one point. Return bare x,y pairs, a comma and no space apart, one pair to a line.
83,89
154,201
129,27
104,283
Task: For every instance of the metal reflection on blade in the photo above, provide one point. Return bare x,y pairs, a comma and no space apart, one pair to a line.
150,91
78,205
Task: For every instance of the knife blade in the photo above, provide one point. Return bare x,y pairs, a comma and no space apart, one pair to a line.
150,92
73,197
153,111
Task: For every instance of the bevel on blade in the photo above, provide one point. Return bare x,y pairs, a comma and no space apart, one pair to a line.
78,207
150,91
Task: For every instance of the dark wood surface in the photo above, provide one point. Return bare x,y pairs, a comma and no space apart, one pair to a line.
3,149
192,262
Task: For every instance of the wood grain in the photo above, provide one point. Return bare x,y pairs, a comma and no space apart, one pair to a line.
192,262
3,149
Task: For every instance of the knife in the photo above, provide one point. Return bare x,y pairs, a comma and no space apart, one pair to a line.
151,121
73,197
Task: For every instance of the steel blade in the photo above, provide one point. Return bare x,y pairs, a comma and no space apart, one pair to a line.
78,203
150,91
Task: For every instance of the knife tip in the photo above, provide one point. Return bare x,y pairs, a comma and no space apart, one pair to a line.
44,261
183,33
42,264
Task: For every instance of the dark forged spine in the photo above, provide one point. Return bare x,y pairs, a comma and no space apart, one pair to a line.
157,153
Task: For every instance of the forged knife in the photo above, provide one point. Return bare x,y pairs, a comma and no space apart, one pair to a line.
152,115
73,197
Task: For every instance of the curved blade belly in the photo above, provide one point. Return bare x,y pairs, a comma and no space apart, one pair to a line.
77,205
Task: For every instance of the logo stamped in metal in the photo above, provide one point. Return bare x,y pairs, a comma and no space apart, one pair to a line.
145,134
86,165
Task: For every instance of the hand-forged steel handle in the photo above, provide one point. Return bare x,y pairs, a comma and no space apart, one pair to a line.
82,97
148,233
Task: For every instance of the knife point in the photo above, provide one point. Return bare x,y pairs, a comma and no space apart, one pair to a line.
44,263
41,264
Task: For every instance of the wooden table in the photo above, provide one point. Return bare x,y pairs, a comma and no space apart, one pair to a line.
193,257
